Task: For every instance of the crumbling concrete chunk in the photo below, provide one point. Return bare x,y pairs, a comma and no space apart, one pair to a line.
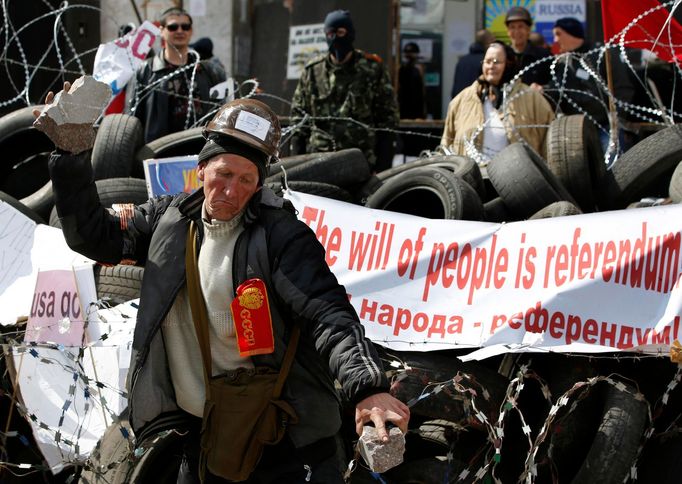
381,456
68,120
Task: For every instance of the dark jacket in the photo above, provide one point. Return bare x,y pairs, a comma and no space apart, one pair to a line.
468,68
576,90
147,98
411,92
540,72
275,247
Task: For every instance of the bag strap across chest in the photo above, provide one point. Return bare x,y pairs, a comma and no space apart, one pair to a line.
200,317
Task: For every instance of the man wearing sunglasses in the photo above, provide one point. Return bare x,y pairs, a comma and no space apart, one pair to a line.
170,91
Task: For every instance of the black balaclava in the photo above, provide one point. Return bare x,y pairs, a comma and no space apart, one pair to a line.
339,46
217,144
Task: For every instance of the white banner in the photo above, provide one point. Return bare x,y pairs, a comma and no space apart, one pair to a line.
588,283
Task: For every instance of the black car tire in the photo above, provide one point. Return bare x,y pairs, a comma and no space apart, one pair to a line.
342,168
119,137
119,283
423,191
42,201
639,169
556,209
524,182
570,141
25,152
326,190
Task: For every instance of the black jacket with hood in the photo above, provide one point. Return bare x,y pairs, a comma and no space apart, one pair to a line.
274,246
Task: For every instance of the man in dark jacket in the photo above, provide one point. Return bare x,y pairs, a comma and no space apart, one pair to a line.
519,23
245,232
468,67
580,82
411,85
170,92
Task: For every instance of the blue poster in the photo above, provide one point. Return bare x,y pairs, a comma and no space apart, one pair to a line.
169,176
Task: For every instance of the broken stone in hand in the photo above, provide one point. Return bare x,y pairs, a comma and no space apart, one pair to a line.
68,120
381,456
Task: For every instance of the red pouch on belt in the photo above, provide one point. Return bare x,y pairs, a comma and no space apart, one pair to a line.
252,320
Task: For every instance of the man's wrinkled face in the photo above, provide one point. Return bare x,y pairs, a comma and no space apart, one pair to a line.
178,31
518,31
229,183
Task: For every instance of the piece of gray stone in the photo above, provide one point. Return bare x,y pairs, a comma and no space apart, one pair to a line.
381,456
68,120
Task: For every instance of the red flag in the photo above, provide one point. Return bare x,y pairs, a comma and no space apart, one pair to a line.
653,32
117,105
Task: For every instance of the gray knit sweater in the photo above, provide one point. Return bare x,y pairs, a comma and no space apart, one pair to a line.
184,355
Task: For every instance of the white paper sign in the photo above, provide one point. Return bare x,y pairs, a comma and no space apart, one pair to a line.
26,248
71,414
305,43
252,124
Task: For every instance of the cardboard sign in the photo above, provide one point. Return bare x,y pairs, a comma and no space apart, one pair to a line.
305,43
58,314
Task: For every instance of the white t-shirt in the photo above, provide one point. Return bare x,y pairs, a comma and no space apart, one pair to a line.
494,134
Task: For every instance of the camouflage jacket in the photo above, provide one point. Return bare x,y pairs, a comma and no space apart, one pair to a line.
359,89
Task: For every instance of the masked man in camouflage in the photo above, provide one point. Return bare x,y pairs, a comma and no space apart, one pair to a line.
345,83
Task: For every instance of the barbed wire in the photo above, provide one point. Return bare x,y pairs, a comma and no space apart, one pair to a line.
465,384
